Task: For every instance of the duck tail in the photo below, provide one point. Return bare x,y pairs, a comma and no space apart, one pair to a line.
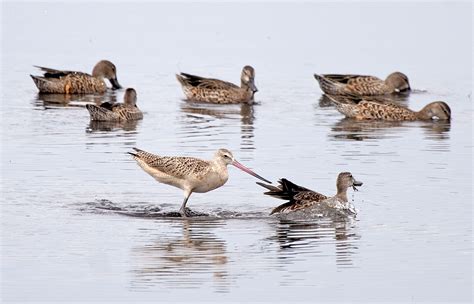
39,81
329,86
100,113
285,190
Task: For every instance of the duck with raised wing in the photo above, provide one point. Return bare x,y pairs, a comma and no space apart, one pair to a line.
375,109
188,173
300,198
125,111
71,82
202,89
362,85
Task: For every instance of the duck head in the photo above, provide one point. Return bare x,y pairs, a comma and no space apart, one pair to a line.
435,110
344,181
107,69
247,79
398,82
130,97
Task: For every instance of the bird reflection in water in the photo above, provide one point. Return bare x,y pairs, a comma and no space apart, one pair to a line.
108,126
298,237
204,119
48,101
400,99
189,259
359,130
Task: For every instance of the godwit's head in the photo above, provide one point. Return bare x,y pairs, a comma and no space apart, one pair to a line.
398,82
106,69
247,79
346,180
225,157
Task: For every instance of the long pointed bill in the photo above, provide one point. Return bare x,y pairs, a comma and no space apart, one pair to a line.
247,170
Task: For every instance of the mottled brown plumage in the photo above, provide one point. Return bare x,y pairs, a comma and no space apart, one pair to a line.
202,89
125,111
300,198
374,109
188,173
361,85
71,82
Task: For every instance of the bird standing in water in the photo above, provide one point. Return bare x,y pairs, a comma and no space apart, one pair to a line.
188,173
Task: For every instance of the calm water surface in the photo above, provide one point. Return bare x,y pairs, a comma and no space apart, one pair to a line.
82,222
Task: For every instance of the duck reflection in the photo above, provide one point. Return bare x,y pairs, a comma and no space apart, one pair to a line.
189,260
400,99
359,130
296,237
109,126
200,119
47,100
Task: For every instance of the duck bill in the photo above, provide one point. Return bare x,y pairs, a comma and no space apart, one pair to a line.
247,170
115,84
356,184
253,87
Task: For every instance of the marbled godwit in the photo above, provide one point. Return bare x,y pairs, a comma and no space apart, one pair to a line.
188,173
373,108
202,89
125,111
301,198
71,82
361,85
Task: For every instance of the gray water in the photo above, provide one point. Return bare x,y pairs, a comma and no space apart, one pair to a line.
82,222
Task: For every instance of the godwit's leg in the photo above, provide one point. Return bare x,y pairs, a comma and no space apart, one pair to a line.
182,210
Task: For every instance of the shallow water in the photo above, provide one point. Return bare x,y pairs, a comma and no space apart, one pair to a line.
82,222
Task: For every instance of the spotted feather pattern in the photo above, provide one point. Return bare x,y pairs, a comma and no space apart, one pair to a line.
371,109
114,112
299,197
178,167
359,85
201,89
66,82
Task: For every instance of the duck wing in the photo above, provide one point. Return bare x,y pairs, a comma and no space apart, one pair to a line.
344,78
53,73
206,83
299,197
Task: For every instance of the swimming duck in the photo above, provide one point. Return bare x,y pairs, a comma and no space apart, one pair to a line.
125,111
202,89
301,198
361,85
373,108
70,82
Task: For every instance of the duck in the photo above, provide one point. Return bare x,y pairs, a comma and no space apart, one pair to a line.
363,85
378,109
126,111
300,198
71,82
210,90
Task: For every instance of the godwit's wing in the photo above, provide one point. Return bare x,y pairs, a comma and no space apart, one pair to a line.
174,167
